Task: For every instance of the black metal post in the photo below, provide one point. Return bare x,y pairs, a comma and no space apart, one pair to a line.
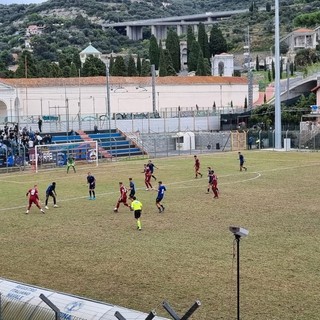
55,309
119,316
238,275
168,308
151,315
192,309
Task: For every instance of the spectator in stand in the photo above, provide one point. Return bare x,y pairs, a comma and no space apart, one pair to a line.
31,134
40,124
38,139
30,143
46,139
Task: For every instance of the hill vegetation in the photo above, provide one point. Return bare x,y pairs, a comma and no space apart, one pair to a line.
70,25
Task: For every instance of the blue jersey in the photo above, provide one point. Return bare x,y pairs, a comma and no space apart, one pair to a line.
161,191
132,187
90,179
151,166
51,189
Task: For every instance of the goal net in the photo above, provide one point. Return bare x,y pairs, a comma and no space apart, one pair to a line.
57,154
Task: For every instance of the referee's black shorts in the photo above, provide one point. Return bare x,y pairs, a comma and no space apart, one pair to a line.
137,214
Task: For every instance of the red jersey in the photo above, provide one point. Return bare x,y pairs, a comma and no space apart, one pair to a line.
197,163
123,192
214,180
33,194
147,172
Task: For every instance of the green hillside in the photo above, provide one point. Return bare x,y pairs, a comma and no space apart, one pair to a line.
69,25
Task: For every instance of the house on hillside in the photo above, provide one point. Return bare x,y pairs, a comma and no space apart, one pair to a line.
302,38
34,30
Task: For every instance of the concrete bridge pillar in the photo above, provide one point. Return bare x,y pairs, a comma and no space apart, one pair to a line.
134,33
181,28
195,29
160,32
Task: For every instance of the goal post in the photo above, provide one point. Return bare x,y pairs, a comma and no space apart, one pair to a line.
57,154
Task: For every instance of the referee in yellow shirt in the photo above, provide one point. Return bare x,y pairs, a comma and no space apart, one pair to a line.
136,206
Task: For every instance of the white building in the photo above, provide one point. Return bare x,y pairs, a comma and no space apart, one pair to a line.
87,96
302,38
223,65
89,51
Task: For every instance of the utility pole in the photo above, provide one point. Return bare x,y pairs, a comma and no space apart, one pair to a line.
247,55
277,106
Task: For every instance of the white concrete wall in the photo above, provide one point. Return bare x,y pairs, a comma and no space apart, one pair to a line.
92,99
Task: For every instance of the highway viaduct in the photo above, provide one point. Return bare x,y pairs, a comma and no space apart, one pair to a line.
159,26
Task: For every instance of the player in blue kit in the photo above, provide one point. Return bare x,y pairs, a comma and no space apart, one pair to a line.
241,160
51,192
92,185
151,166
161,190
132,189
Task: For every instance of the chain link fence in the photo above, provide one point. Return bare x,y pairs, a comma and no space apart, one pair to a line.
15,156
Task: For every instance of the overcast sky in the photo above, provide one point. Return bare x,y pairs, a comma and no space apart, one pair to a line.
21,1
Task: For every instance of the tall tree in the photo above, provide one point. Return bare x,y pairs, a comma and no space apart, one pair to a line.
139,65
203,40
173,46
44,68
55,71
162,64
207,66
73,70
154,52
145,68
119,68
111,64
190,38
273,72
201,69
93,66
170,69
165,65
193,56
132,69
217,43
27,67
257,63
268,7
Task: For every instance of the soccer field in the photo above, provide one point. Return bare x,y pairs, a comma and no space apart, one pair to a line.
181,255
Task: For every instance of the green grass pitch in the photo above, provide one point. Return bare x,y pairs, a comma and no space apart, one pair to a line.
184,254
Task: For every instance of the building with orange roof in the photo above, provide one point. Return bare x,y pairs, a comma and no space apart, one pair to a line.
88,96
302,38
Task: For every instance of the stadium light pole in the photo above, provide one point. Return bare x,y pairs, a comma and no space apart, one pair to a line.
277,105
108,99
238,233
153,75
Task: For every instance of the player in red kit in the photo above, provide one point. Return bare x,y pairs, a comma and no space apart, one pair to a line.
122,198
215,185
197,167
33,198
147,177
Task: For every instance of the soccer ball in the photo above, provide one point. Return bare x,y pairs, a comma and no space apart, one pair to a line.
115,209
